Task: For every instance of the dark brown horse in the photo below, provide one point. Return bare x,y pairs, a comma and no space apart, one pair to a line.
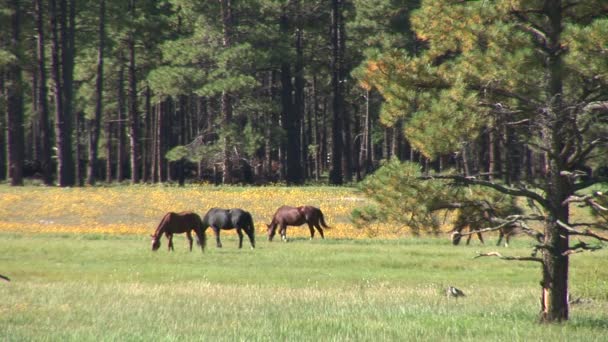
177,223
292,216
219,219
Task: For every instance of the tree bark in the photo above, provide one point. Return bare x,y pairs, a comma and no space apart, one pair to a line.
3,128
299,153
120,127
556,264
95,124
226,104
132,90
336,176
14,102
44,138
62,74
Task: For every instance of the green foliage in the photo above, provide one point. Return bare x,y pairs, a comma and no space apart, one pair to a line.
177,153
401,196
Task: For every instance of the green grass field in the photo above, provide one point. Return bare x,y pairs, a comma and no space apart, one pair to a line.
96,287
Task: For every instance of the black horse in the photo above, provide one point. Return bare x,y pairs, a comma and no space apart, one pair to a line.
217,219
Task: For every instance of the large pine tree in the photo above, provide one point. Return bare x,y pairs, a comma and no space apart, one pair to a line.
520,61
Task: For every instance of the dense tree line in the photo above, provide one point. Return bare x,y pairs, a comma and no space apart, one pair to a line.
223,91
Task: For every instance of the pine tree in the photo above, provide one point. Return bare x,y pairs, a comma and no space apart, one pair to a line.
515,60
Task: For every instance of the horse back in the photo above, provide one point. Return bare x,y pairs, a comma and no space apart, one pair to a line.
217,217
179,222
289,216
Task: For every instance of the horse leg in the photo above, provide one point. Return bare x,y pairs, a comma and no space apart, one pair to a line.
189,236
480,238
500,236
320,230
170,245
240,233
283,232
312,230
216,231
249,231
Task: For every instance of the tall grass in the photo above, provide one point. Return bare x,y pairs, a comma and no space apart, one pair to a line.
108,287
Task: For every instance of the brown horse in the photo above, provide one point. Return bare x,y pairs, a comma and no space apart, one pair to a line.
290,216
177,223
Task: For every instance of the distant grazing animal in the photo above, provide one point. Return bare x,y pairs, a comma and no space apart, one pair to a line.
177,223
296,216
238,219
476,223
513,229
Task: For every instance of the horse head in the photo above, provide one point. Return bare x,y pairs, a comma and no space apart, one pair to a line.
155,242
271,230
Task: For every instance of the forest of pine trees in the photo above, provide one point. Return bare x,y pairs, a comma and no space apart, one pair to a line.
229,91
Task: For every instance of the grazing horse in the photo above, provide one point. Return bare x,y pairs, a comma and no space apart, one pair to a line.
476,220
513,229
177,223
291,216
218,219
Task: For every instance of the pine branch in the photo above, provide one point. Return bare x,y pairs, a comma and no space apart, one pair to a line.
510,258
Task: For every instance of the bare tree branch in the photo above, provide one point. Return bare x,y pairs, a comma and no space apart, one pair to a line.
500,256
581,154
586,232
580,247
587,199
518,192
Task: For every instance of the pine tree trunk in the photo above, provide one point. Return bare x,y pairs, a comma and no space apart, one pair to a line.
299,154
120,127
14,102
160,122
3,128
109,137
44,137
336,176
78,131
63,118
67,30
317,133
226,104
133,114
154,143
555,274
491,153
147,129
95,124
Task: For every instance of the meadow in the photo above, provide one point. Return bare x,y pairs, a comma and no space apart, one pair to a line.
81,269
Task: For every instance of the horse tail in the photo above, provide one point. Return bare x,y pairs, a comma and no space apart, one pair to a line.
322,219
249,221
